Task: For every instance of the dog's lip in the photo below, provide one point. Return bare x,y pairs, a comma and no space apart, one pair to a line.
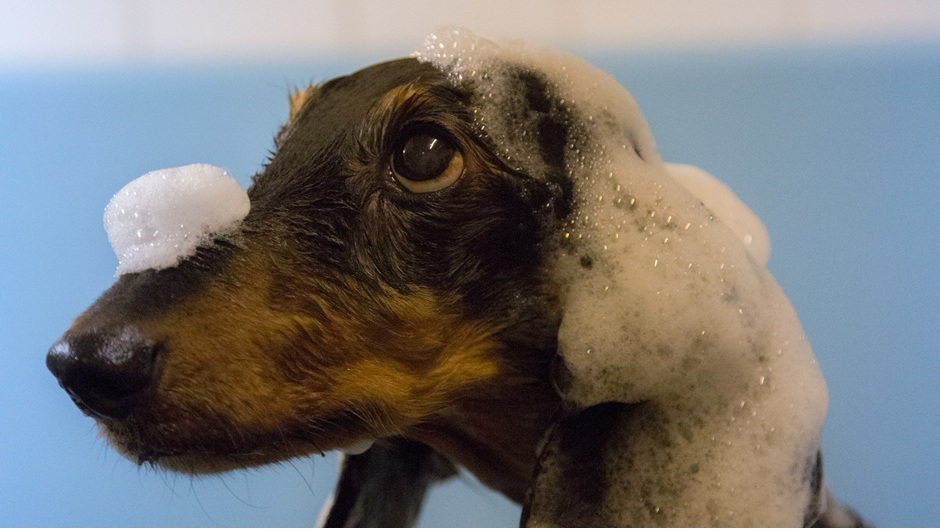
162,446
202,461
144,453
219,458
140,450
153,455
162,456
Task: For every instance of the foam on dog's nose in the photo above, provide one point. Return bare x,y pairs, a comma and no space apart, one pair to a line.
161,218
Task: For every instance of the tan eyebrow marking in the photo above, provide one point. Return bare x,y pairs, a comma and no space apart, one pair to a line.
401,99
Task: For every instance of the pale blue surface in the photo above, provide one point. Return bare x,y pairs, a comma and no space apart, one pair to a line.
837,150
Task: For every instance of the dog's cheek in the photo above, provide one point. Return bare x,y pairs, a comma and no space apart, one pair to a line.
231,382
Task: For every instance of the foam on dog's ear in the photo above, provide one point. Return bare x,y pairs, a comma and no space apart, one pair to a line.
161,218
664,307
719,198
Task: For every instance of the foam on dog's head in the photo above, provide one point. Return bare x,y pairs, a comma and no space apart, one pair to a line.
490,67
664,295
162,217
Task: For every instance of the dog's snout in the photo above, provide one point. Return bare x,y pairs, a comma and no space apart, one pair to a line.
107,374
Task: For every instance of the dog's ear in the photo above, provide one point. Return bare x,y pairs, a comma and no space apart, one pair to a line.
385,485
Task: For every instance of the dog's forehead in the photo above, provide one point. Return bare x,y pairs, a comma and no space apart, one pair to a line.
326,122
344,102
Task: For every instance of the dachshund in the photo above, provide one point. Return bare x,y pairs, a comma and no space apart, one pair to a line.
388,295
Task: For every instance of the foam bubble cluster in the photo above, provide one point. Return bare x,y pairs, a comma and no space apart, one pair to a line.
161,218
666,301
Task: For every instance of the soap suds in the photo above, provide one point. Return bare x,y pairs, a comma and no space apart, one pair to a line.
676,310
720,199
162,217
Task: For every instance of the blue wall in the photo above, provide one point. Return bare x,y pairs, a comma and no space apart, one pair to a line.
838,150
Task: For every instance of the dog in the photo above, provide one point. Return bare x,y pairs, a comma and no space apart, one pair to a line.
389,294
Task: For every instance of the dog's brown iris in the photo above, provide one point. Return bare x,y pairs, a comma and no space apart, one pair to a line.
427,160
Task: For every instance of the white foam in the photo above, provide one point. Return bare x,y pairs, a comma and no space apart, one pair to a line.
665,300
719,198
162,217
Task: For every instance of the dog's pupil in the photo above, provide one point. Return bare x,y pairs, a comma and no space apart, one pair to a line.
424,156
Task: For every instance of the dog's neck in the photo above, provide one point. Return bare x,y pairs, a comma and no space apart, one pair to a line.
495,433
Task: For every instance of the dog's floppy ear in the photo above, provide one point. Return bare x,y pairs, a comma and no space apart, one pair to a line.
385,485
694,398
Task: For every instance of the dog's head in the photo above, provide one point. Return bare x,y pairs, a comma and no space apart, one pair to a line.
386,278
427,238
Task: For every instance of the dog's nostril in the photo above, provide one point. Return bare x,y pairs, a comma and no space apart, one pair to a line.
109,374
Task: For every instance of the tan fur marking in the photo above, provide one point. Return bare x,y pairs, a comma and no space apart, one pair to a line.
297,99
401,97
396,103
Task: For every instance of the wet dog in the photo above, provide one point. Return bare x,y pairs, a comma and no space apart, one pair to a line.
387,295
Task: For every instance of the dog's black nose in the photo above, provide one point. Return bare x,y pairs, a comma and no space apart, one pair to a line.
107,374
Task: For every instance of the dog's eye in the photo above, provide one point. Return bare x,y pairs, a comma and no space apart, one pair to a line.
427,160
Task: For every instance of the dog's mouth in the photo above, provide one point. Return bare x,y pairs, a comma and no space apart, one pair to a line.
205,462
205,456
215,450
209,460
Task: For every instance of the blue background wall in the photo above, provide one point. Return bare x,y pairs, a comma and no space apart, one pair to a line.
837,149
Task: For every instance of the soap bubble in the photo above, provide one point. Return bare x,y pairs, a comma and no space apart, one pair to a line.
162,217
